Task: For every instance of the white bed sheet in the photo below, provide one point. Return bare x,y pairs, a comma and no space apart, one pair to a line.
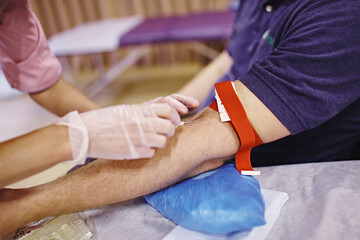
324,200
93,37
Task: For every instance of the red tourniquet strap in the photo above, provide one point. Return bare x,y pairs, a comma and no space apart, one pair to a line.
258,140
246,133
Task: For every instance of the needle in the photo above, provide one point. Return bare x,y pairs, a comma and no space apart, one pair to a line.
184,122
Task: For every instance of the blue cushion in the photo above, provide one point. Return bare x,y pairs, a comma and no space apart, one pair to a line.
220,201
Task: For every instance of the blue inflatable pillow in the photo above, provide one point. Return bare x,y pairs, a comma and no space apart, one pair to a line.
220,201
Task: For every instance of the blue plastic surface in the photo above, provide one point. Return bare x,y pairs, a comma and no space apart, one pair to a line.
221,201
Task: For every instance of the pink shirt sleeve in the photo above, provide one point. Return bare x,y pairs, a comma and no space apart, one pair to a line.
25,57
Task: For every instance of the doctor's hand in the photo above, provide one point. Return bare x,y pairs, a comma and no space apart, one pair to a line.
120,132
181,103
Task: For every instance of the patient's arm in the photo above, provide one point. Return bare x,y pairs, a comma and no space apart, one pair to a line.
105,182
201,84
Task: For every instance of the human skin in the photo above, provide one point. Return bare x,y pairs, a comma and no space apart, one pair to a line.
190,151
18,160
62,98
38,150
50,145
200,85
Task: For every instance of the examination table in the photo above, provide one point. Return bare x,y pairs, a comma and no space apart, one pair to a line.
323,197
323,204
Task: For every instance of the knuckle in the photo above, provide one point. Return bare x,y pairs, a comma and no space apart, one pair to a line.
167,108
176,95
159,100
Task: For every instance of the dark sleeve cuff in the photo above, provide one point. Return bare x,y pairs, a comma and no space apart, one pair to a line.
275,101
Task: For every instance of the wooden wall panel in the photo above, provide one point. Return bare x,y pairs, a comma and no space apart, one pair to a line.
60,15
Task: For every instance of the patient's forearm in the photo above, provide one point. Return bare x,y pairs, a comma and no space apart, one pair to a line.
115,181
105,182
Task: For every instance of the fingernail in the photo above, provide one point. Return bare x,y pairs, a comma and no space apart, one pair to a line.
184,108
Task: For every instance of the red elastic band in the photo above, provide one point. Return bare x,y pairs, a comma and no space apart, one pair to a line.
258,140
246,133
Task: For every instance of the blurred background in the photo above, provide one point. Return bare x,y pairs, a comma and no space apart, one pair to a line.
164,69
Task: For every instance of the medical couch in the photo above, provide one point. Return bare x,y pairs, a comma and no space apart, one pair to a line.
323,204
95,38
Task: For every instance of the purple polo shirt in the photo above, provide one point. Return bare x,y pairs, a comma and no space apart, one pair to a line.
301,58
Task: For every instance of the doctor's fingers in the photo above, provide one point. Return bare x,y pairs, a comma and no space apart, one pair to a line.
163,126
164,110
145,152
148,140
151,125
179,102
189,102
155,141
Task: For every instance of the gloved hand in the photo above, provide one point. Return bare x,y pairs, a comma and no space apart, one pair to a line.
181,103
120,132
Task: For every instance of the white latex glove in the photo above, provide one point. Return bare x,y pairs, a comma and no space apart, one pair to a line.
120,132
181,103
